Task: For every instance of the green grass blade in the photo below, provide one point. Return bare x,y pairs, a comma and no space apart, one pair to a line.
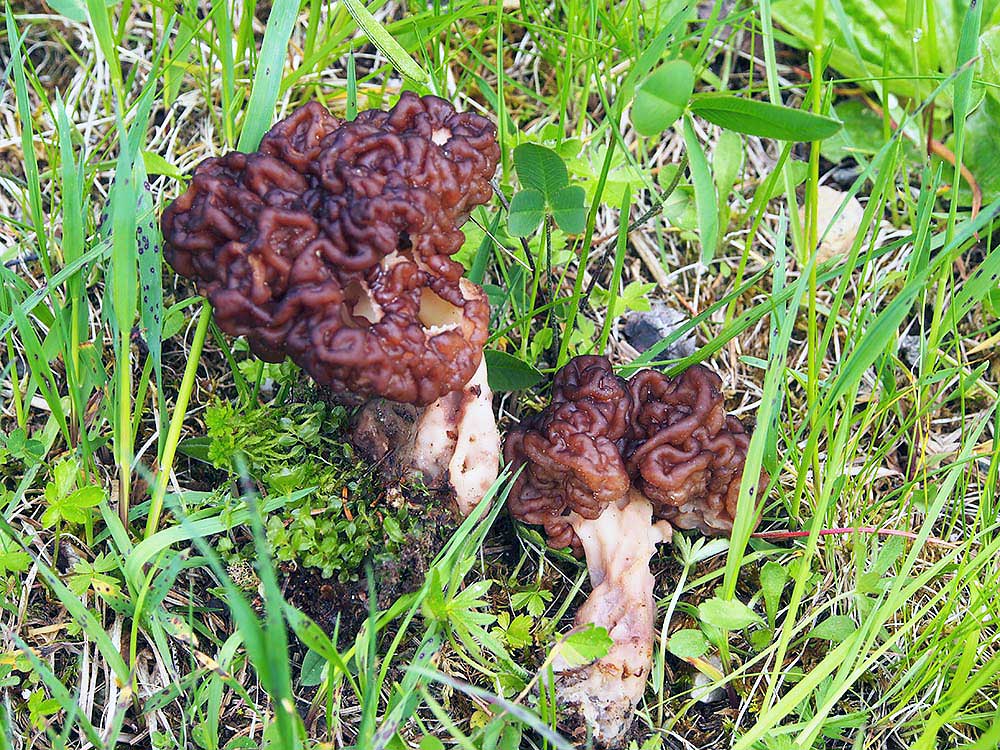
385,42
267,79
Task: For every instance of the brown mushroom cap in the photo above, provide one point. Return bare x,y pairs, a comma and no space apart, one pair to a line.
570,450
668,437
332,245
683,452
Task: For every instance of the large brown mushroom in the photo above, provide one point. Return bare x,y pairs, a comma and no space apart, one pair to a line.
608,466
332,245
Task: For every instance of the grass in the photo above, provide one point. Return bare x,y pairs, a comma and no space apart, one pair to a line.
872,377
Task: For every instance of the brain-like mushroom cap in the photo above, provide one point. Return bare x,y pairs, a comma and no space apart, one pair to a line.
669,438
332,245
569,450
683,452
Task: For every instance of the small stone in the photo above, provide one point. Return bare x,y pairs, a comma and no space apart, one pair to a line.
645,328
845,177
702,690
909,348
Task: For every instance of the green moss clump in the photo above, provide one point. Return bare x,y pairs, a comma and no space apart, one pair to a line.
297,446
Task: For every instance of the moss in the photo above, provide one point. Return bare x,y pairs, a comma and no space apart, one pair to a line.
345,513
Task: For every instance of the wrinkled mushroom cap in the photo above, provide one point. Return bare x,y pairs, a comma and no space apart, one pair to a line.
332,245
570,451
669,438
683,452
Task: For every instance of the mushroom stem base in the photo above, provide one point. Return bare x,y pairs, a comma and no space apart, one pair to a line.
452,444
604,693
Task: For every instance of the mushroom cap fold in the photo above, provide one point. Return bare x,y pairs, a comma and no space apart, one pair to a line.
669,438
332,245
570,450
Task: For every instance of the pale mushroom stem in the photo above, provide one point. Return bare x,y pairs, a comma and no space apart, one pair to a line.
618,545
451,443
458,433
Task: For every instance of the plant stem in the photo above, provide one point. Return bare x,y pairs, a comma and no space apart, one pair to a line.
177,421
124,425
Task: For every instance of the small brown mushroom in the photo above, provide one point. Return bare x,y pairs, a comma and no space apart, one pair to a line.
332,245
608,466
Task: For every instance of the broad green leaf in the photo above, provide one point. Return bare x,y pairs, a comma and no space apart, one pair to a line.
311,673
727,614
727,158
797,171
989,48
835,628
527,209
508,373
540,169
763,119
772,582
568,209
888,555
430,742
156,164
982,148
705,198
64,477
12,558
74,10
688,644
584,646
662,97
86,497
876,42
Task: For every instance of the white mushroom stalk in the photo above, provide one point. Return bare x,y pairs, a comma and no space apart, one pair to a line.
618,546
455,441
452,443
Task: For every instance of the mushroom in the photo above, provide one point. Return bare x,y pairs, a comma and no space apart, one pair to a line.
332,245
608,466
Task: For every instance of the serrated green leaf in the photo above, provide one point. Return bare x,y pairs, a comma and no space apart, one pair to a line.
727,614
584,646
763,119
527,209
518,632
662,97
506,372
688,644
540,168
568,210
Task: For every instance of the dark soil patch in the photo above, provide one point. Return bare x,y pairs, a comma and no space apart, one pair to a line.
327,600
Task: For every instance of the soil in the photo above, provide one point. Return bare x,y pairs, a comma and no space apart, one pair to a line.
327,600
